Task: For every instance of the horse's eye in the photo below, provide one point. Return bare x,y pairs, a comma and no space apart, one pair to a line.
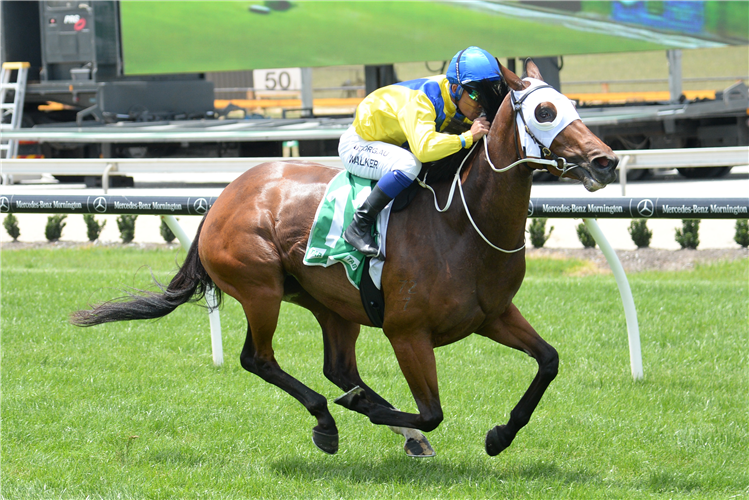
545,112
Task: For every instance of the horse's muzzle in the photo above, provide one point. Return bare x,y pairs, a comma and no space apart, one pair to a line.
596,173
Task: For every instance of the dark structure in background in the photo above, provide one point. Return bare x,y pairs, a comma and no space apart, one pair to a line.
550,68
379,76
75,53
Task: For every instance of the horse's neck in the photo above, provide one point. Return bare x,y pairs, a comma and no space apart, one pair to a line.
498,201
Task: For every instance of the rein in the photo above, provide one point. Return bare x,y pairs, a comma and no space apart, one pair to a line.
456,181
556,161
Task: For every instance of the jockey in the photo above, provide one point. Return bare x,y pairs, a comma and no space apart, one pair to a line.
401,126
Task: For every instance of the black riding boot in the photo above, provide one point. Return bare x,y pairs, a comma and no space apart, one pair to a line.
359,232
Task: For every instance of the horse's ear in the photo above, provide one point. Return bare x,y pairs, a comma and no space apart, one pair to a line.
532,70
513,81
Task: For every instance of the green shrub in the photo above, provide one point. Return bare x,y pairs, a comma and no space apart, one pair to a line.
55,224
93,228
585,237
687,236
538,232
11,225
638,230
742,233
166,233
126,224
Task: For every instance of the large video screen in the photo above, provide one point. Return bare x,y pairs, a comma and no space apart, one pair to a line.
201,36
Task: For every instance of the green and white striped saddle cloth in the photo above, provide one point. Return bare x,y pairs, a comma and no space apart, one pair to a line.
326,246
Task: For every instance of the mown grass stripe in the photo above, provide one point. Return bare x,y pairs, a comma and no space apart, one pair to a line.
137,410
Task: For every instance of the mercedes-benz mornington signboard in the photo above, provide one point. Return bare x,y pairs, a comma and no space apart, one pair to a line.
102,204
640,208
583,208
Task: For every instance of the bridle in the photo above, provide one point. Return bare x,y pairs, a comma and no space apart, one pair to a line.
550,158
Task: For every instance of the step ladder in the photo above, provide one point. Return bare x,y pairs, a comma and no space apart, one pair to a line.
11,112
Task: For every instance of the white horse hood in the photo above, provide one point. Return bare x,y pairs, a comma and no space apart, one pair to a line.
545,132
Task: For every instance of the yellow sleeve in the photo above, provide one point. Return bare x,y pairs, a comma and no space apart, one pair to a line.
417,119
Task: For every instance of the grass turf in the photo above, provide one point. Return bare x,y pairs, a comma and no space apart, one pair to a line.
137,410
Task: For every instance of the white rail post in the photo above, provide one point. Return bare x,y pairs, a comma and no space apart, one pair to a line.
210,297
635,352
623,173
111,167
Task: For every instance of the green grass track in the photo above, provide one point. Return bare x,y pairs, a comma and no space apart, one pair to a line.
138,411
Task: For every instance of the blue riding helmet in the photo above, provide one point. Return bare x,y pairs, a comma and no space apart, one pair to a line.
469,67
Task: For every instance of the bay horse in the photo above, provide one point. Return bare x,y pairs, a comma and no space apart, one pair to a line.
442,279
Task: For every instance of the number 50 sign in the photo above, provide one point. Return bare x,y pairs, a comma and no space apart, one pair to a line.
277,79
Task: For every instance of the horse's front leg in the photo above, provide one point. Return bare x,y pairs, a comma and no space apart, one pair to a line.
415,356
512,329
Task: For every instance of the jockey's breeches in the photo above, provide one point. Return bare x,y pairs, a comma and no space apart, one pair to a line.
373,159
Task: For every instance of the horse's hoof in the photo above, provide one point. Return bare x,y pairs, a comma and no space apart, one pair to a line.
326,442
497,441
349,399
419,448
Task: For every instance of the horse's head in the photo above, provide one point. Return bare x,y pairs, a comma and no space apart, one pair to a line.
549,127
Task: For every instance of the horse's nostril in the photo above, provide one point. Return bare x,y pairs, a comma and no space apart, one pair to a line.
605,162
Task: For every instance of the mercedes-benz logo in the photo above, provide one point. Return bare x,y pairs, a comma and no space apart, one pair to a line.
530,208
100,204
4,204
645,208
200,205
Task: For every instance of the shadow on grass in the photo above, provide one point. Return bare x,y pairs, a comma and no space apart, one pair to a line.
397,470
669,482
438,472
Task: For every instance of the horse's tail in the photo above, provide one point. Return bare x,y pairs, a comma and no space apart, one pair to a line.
189,285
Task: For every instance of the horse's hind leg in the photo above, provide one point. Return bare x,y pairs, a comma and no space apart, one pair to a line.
261,306
512,330
339,339
415,354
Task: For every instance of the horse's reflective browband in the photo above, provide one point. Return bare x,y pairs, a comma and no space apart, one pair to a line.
555,162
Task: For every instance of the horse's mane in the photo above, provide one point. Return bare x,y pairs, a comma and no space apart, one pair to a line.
492,96
444,169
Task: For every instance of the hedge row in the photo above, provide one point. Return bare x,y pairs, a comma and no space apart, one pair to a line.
56,223
687,236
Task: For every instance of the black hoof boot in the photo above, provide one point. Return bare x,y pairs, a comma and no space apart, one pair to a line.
326,442
419,448
497,441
